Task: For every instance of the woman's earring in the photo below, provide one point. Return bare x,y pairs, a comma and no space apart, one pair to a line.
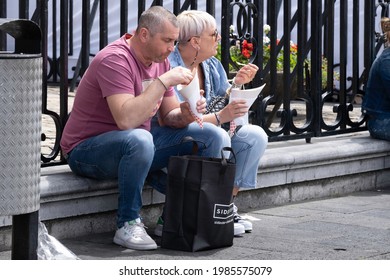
196,55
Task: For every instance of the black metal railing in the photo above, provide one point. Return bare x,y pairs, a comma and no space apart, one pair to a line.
315,94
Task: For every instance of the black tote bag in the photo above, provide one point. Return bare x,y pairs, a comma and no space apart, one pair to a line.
198,212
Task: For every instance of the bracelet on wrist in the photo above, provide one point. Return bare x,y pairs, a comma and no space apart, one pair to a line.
158,78
218,119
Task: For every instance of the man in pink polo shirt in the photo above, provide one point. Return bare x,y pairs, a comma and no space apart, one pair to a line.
113,129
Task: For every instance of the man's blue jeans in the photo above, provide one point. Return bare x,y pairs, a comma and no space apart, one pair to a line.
129,155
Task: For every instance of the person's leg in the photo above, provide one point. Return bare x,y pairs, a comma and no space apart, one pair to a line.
126,155
168,142
379,128
248,144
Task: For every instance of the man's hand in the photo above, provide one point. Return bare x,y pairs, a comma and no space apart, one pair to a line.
176,76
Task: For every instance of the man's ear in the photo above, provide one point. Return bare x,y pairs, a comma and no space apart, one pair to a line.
144,34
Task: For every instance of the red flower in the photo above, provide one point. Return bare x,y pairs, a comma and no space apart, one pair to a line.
246,45
246,49
246,53
294,47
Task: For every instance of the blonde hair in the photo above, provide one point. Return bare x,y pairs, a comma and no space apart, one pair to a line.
385,25
193,23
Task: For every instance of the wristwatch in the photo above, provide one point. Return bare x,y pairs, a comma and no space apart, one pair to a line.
234,85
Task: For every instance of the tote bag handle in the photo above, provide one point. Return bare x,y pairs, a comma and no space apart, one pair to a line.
195,149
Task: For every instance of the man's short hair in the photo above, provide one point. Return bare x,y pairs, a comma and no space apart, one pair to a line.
154,18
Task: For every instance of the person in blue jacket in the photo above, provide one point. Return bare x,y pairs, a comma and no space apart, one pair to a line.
196,47
376,101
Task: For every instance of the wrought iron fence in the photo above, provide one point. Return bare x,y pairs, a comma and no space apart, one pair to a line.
313,89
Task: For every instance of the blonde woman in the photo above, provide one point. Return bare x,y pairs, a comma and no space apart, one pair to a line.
197,45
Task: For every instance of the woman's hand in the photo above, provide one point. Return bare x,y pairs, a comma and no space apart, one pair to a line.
201,104
246,74
237,108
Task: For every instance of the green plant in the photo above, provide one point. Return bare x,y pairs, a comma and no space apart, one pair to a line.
241,52
280,55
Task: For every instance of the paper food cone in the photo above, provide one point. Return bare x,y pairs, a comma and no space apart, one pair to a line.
191,94
250,96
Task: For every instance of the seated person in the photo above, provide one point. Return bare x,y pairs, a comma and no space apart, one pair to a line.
197,45
110,133
376,101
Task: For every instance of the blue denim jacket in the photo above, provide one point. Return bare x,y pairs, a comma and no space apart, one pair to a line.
376,101
216,82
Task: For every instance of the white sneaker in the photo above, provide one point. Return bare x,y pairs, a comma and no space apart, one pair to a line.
133,236
238,220
238,229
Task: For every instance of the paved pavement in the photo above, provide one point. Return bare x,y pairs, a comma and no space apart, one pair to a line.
352,227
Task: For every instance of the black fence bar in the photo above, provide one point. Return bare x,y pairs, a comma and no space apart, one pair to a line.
85,36
50,157
23,9
3,14
64,50
210,7
54,58
124,16
70,26
299,93
258,19
315,59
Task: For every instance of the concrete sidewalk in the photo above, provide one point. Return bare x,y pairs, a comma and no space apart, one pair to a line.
353,227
